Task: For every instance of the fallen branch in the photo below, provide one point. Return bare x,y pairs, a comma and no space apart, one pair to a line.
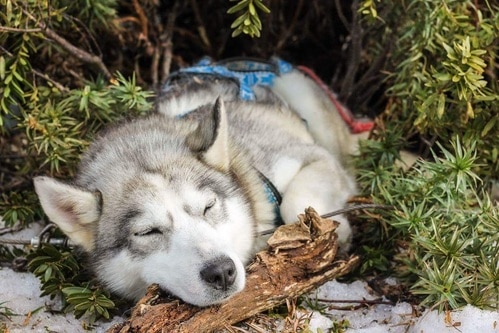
300,258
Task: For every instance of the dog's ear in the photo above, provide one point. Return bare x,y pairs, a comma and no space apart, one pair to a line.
211,138
74,210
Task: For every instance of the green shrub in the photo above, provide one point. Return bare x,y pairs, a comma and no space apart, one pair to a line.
442,88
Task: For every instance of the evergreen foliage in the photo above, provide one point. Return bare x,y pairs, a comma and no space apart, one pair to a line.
249,22
442,87
442,73
448,224
62,275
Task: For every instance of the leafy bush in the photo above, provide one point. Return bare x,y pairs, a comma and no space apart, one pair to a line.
449,225
442,90
441,80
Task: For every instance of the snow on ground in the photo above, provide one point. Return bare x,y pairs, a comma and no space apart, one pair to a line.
400,318
20,293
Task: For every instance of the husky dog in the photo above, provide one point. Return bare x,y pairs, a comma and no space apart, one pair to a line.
179,197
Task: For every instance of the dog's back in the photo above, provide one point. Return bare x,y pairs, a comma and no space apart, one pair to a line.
283,143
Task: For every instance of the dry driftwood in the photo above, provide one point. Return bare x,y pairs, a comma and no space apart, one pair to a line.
300,258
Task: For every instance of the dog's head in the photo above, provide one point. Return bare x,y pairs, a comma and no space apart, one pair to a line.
183,221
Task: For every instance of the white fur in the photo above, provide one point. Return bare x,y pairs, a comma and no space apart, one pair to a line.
180,105
324,122
284,170
218,154
121,274
318,185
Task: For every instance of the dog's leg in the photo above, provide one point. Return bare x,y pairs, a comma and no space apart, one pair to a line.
325,186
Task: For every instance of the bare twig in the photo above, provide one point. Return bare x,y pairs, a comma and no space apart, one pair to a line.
359,304
354,54
88,33
77,52
7,52
4,231
73,50
142,18
155,65
162,49
342,16
201,26
167,44
361,301
59,86
9,29
341,211
291,27
357,207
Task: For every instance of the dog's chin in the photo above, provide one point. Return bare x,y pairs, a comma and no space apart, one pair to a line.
200,294
205,302
207,298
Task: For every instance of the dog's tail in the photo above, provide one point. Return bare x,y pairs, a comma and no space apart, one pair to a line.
332,125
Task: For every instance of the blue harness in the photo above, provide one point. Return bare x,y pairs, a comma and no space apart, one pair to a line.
247,73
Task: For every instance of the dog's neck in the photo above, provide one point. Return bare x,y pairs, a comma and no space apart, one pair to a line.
274,197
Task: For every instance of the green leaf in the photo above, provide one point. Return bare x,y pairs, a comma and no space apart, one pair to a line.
48,273
239,6
237,22
51,251
106,303
237,31
2,67
83,306
442,76
441,105
451,54
261,6
251,9
75,290
490,125
6,92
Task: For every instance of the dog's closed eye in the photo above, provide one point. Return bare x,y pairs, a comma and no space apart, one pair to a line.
149,232
209,205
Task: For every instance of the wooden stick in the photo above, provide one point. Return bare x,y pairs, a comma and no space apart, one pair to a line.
300,258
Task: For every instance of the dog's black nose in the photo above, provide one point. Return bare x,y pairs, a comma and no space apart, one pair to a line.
220,273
